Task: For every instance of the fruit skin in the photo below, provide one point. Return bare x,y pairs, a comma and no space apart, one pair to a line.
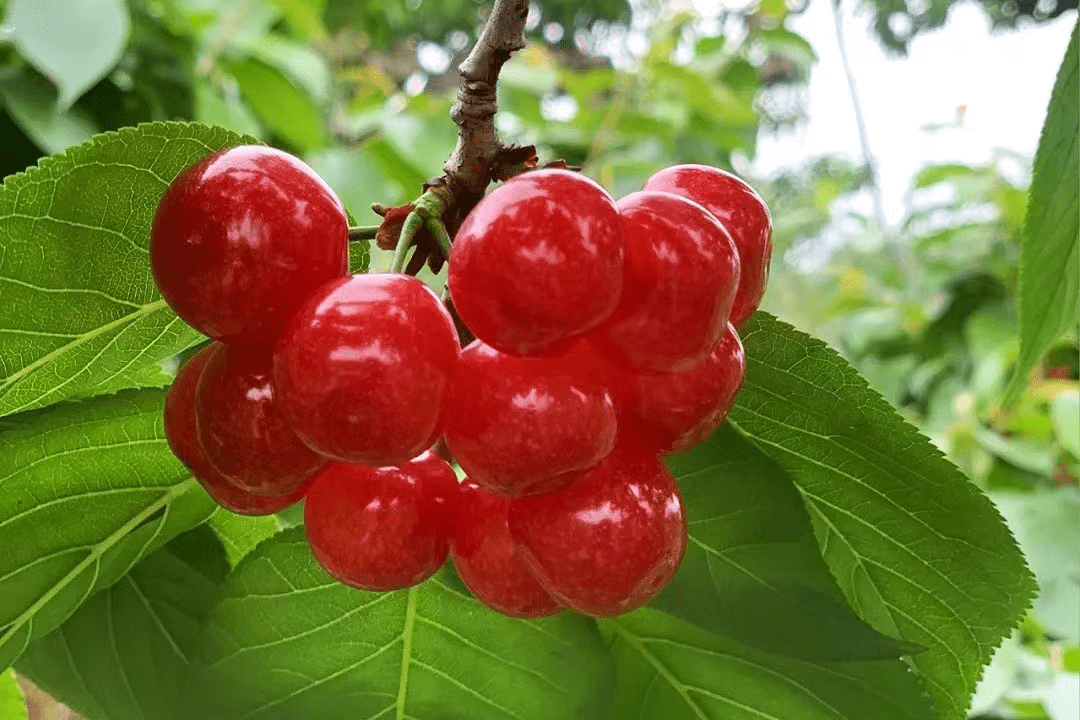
241,428
519,425
242,237
538,261
487,561
183,440
677,411
680,279
382,528
743,213
363,368
608,542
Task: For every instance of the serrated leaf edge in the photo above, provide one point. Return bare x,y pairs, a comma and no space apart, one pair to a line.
1027,584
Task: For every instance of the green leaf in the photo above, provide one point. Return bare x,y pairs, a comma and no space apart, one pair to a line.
1050,254
287,641
241,533
12,702
359,256
31,103
358,180
299,62
81,314
920,553
1065,411
86,490
73,42
305,15
224,109
1031,454
424,143
666,668
126,653
282,106
399,168
753,570
1047,523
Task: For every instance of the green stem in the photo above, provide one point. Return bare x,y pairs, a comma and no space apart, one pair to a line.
437,229
427,207
413,222
362,232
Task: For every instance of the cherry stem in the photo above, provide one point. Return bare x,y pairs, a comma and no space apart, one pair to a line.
412,225
362,232
435,225
428,207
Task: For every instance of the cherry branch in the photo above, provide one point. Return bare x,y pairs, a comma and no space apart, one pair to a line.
429,222
468,171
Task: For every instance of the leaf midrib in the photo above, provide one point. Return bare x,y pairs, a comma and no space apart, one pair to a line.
12,379
662,670
406,654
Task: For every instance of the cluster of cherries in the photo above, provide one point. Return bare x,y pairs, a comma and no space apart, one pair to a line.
606,339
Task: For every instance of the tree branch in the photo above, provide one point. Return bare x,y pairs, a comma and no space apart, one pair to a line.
468,171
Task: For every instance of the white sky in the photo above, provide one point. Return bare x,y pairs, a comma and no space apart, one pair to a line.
1004,80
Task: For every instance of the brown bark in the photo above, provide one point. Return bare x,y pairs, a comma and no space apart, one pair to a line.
468,171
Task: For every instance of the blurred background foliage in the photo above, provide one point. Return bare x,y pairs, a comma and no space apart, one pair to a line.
926,308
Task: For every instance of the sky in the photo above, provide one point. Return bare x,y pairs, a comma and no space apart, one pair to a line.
1003,80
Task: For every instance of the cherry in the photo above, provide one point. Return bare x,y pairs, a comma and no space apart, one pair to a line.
241,428
184,442
381,528
538,261
677,411
519,425
363,367
487,561
743,213
608,542
680,279
242,237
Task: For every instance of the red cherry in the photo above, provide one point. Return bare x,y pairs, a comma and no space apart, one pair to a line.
242,237
381,528
241,427
608,542
681,274
539,260
363,368
184,441
743,213
677,411
519,425
487,561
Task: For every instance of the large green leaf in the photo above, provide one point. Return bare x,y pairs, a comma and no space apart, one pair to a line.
666,668
81,314
919,551
752,568
126,653
287,641
86,490
1050,255
72,42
